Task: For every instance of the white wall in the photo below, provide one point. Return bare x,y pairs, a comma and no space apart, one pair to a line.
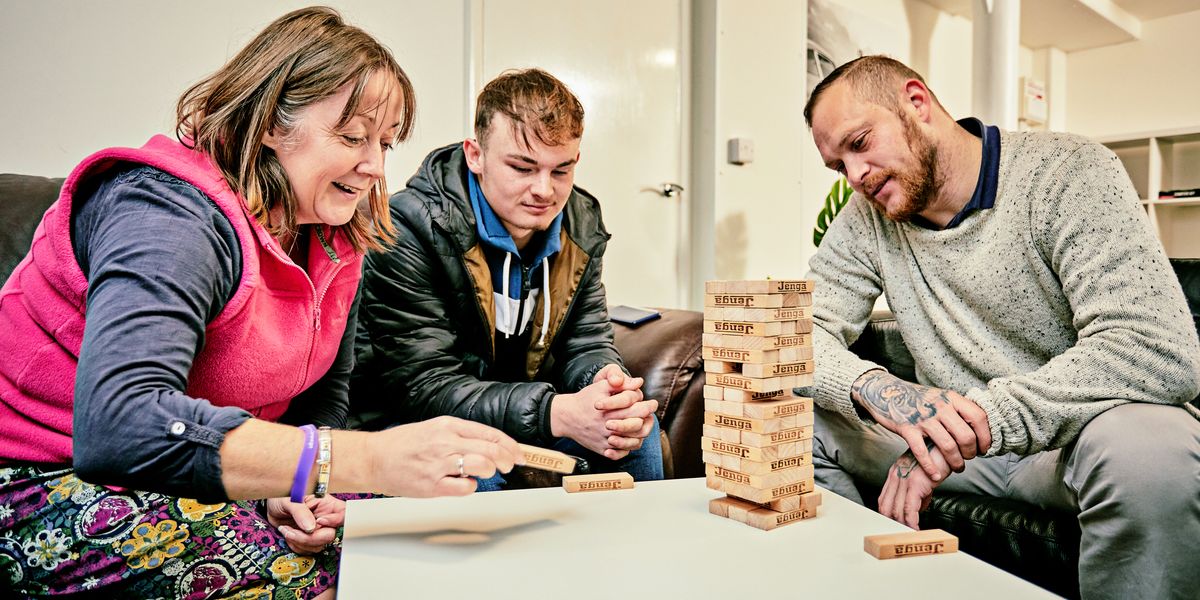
1145,85
81,76
748,81
932,42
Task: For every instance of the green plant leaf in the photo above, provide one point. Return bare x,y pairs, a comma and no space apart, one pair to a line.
835,201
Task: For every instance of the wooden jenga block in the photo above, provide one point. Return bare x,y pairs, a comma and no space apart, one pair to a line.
714,392
758,300
598,482
753,494
757,315
720,506
786,406
910,543
763,454
741,423
791,354
732,394
762,440
767,481
789,503
751,467
721,433
749,342
758,286
802,367
768,425
751,384
743,396
721,366
547,460
770,328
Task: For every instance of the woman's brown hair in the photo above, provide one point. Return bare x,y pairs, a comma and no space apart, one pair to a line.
302,57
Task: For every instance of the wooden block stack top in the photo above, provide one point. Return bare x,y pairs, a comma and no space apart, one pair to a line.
757,441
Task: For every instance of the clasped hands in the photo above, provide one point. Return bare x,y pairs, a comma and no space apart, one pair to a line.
608,417
943,429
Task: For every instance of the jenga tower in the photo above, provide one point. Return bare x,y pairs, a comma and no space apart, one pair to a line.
757,433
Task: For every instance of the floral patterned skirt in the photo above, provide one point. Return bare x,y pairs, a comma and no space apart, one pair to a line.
60,535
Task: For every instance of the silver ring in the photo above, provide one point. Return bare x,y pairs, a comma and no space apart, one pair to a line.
461,472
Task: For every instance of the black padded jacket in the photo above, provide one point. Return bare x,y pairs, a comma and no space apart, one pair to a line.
425,345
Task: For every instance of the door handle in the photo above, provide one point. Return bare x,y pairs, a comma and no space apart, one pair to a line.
666,190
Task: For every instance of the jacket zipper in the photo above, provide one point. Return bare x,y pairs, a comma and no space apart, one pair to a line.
319,297
518,330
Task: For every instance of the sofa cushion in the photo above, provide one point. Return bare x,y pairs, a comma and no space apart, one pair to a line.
23,199
667,353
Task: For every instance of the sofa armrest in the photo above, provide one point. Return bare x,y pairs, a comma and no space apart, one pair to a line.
666,352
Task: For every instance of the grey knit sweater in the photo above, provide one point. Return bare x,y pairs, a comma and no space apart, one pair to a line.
1050,308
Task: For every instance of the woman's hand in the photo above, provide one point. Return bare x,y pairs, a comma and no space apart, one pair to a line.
423,459
310,526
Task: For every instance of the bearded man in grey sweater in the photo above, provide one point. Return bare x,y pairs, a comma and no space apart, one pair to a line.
1053,346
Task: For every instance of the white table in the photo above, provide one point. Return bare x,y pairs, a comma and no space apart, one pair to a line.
657,540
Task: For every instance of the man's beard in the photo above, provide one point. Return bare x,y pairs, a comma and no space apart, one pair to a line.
919,185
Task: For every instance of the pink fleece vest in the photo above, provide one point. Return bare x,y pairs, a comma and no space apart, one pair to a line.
276,336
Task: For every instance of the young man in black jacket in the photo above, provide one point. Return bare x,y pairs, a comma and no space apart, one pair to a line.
490,307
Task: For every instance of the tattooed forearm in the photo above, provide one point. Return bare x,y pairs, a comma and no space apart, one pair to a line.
905,464
907,461
888,397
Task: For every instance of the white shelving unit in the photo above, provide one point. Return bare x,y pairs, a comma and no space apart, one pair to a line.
1165,160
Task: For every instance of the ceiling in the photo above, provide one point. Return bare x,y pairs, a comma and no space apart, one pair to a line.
1092,23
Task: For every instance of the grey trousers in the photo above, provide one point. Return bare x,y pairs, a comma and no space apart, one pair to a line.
1132,476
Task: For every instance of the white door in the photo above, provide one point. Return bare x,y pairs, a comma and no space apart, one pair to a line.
624,60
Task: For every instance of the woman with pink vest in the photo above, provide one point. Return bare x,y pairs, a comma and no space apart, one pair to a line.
178,341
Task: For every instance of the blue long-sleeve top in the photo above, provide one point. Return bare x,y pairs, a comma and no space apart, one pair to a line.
161,261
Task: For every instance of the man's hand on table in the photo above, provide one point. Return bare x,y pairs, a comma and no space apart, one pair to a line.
608,417
908,489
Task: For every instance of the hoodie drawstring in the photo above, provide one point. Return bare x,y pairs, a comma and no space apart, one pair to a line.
545,301
507,267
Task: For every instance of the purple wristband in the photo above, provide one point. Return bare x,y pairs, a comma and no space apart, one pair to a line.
308,454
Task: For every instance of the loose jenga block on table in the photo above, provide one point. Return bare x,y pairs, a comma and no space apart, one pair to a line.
598,482
759,495
547,460
910,543
750,342
758,286
769,328
803,367
770,425
763,454
758,315
758,300
791,354
751,467
766,481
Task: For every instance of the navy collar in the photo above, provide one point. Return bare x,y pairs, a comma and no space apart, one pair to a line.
989,173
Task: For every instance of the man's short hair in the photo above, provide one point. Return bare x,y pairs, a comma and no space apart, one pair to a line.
536,102
875,79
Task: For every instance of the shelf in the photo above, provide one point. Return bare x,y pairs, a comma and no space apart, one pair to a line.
1167,159
1177,202
1189,133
